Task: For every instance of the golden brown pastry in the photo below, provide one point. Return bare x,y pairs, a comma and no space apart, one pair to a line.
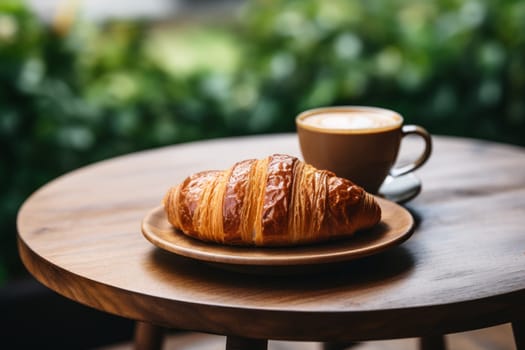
275,201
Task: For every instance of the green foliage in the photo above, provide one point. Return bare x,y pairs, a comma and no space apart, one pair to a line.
454,66
75,94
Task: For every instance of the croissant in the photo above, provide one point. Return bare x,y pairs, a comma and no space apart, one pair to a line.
275,201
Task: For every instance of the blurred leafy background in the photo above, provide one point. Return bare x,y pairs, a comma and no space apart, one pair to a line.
74,91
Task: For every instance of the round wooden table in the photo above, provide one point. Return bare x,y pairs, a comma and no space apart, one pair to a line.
463,268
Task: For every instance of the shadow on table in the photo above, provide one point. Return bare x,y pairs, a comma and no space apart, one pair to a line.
391,265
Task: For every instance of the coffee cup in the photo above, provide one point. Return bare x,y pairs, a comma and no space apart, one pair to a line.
360,143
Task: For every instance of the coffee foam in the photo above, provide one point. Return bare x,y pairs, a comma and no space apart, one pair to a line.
359,120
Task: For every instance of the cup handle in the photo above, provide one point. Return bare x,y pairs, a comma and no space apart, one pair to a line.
414,130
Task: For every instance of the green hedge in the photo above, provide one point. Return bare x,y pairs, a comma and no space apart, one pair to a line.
72,93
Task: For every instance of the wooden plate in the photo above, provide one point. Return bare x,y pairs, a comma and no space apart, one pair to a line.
395,227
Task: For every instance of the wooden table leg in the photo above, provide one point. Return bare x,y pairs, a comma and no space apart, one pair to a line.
148,336
436,342
518,329
239,343
338,346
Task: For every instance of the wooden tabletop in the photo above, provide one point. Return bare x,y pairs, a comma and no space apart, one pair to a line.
463,267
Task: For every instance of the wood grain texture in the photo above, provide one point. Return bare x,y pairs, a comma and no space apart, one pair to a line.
463,268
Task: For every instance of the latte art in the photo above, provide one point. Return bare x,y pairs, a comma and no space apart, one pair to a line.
352,120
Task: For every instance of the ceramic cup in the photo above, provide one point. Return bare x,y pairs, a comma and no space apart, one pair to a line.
359,143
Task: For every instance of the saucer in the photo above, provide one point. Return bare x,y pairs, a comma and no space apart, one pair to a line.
400,189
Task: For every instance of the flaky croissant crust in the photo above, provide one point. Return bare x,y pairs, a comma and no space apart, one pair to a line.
275,201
